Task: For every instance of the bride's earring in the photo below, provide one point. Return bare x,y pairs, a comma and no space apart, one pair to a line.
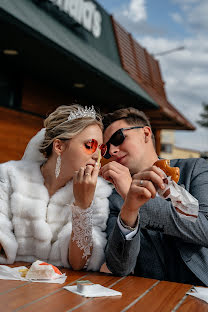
58,166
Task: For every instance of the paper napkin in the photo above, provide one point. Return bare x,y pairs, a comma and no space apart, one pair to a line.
95,290
7,273
184,203
199,292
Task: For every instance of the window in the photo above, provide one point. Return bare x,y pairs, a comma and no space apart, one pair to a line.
166,148
9,91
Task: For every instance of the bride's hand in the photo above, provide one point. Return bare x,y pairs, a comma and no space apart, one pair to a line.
84,183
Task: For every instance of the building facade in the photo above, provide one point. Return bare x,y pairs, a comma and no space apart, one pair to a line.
170,151
59,52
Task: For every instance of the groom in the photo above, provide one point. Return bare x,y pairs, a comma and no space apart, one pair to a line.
145,234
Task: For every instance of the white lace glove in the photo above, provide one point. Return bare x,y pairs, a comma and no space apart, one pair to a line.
82,229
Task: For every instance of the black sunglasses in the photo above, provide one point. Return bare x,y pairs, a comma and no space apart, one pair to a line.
117,139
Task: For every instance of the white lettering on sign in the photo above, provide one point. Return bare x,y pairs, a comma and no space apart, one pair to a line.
83,12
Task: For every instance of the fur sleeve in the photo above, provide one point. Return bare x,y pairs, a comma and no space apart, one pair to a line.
63,243
7,238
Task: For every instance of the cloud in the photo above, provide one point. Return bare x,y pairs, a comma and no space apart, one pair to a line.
135,11
197,17
177,17
133,17
195,14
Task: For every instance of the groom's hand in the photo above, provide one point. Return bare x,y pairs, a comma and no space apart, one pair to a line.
119,175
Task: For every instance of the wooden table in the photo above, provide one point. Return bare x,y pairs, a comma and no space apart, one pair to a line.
138,294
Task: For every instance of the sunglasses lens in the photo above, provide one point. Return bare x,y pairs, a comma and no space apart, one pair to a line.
103,149
90,146
117,138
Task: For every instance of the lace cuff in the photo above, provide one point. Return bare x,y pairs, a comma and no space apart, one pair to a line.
82,229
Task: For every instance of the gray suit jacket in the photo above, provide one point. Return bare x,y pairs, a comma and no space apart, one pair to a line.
166,247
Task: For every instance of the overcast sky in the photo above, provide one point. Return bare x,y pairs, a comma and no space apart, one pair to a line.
161,25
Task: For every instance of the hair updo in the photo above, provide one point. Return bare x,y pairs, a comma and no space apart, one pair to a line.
58,127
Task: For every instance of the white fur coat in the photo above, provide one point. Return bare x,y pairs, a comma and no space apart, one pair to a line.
35,226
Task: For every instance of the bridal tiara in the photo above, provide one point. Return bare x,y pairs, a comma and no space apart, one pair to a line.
82,112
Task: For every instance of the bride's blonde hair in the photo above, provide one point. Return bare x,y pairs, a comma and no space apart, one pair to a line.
59,127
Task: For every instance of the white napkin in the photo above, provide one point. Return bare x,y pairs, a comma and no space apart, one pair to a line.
8,273
95,290
199,292
185,204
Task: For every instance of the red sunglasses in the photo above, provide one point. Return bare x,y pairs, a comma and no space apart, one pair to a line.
91,146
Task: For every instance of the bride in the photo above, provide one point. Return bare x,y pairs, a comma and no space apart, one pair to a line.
53,205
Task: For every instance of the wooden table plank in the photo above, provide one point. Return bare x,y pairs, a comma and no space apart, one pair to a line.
193,304
131,287
65,300
7,285
164,297
139,294
33,291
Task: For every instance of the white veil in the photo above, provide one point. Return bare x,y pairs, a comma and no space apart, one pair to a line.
32,152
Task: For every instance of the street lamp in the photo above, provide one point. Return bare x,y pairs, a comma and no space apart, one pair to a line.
169,51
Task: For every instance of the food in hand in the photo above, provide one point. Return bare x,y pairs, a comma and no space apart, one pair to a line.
99,157
43,270
173,172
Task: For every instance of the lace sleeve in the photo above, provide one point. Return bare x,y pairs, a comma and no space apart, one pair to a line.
82,229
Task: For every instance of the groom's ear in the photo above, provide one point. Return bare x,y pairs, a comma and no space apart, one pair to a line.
147,134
